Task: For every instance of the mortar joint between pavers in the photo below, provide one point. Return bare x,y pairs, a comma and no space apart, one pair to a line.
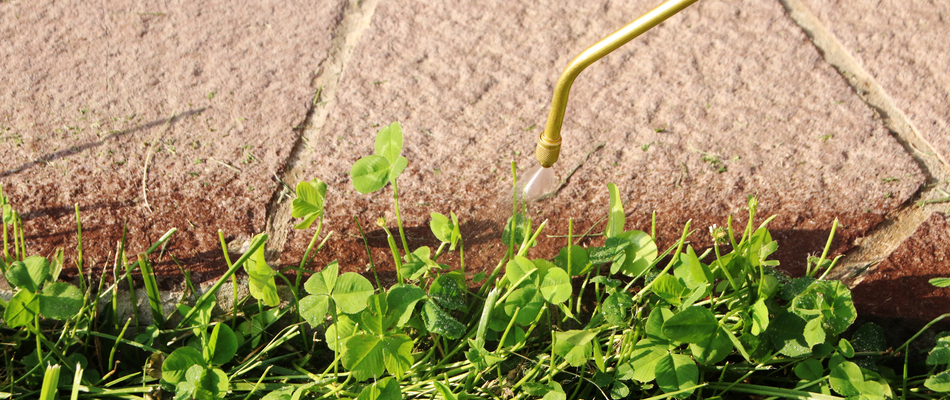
900,223
354,19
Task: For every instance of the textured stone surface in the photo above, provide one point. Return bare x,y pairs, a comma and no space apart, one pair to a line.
86,93
898,288
722,101
903,44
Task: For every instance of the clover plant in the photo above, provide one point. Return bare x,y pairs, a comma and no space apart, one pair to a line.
618,317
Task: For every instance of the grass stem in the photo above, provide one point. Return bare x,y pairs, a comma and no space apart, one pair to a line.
151,288
368,253
82,282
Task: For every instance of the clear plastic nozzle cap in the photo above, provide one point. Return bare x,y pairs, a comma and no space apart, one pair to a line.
537,182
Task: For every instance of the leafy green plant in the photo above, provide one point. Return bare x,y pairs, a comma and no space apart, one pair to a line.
38,293
621,317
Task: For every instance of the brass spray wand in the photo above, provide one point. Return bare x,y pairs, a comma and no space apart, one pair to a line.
549,143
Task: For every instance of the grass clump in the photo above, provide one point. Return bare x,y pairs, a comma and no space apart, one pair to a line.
626,319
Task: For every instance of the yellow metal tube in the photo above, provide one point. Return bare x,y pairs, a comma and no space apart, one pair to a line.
549,143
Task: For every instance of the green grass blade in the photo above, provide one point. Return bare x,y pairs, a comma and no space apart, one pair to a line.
151,287
82,281
77,380
50,383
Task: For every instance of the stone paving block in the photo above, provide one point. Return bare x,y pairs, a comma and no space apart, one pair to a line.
205,94
894,291
724,100
903,44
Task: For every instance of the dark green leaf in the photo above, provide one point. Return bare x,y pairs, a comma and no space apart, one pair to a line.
351,292
829,299
939,383
603,280
385,389
536,389
574,346
940,354
309,202
646,354
519,229
528,300
22,309
675,372
60,301
577,264
870,338
691,325
655,322
712,350
178,363
670,288
447,293
518,268
615,307
366,355
222,344
619,390
639,254
29,274
370,173
440,322
261,278
343,328
314,308
809,370
402,301
556,286
625,372
786,331
324,281
795,287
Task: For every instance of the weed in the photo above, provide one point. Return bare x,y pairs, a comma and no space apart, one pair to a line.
624,319
713,161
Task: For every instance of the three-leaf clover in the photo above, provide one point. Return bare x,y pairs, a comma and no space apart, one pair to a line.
348,292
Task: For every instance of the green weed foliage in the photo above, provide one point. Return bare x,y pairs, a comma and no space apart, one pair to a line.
624,319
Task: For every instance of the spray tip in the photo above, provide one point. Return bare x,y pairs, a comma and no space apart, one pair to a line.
537,182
